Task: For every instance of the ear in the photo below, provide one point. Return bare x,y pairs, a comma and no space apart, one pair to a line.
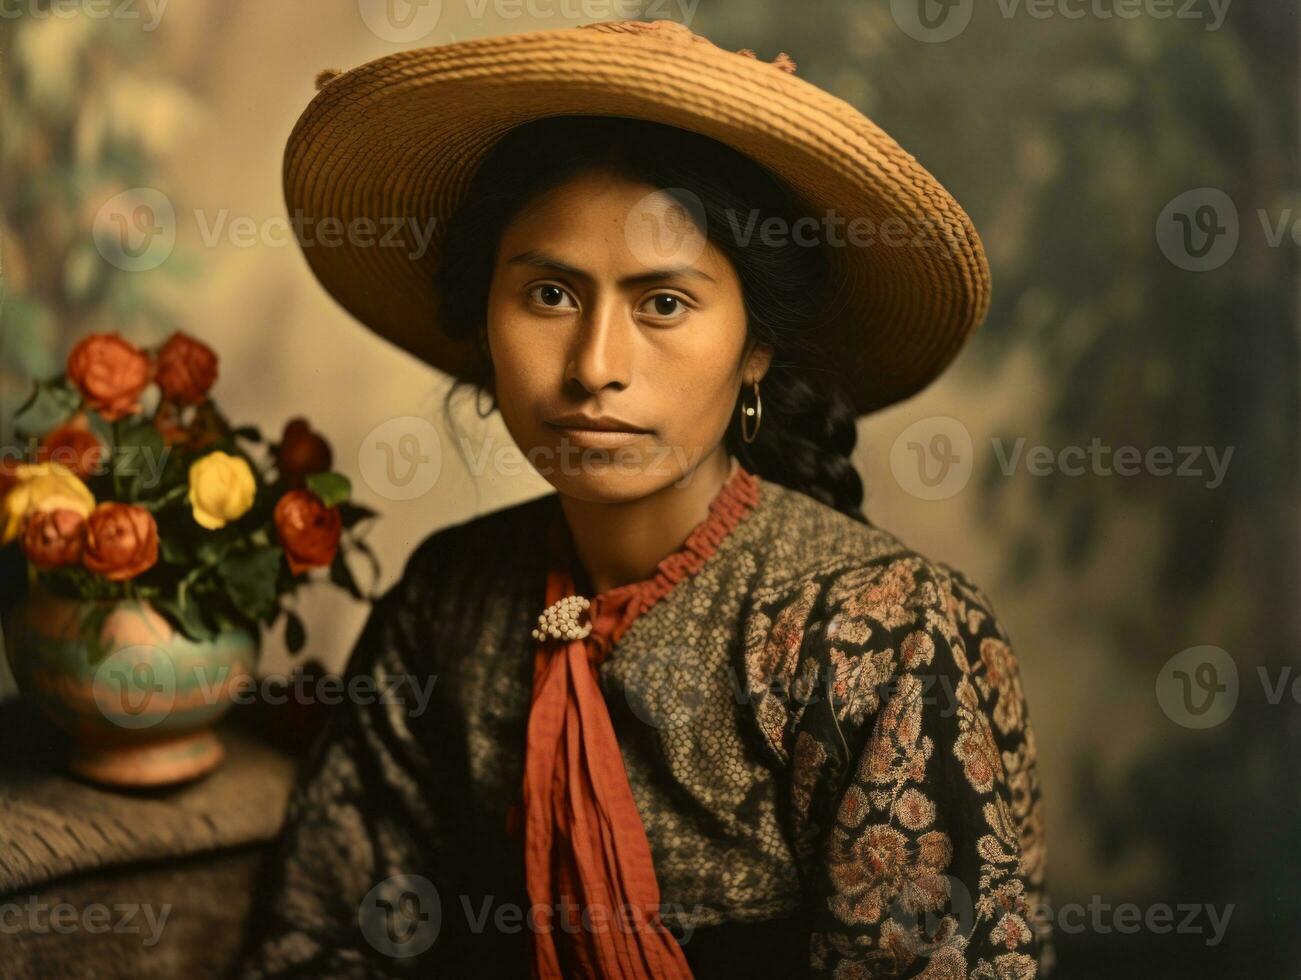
756,363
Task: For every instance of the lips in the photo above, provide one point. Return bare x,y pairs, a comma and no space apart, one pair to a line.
595,423
599,438
596,431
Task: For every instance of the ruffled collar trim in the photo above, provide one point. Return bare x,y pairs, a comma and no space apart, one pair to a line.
736,498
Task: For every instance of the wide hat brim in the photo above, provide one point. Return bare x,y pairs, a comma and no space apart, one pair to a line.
386,151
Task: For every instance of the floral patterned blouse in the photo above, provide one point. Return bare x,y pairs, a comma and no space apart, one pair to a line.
825,734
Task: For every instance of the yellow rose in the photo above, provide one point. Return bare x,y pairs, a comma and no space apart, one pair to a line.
42,487
222,488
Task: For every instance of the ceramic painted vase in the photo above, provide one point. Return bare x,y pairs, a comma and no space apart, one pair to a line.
137,701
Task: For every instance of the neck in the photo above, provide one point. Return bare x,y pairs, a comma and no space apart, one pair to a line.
623,542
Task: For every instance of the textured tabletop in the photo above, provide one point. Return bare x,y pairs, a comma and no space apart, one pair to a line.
53,824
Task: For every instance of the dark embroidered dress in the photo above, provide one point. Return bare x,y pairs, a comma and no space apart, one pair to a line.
824,732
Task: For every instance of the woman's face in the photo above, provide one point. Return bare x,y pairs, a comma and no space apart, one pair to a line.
609,309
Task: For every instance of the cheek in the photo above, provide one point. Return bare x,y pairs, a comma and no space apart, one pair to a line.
698,382
519,357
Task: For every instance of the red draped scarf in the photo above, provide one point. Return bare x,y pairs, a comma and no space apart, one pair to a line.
588,867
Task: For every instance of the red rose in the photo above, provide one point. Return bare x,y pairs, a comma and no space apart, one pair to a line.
302,452
308,530
73,445
54,537
186,369
202,430
121,541
110,374
167,420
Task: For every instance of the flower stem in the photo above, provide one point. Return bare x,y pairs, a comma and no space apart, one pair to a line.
165,499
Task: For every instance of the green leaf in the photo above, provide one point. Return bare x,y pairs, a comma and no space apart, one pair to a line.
100,426
250,432
186,616
332,488
352,514
173,552
295,634
361,545
50,404
139,458
212,547
341,575
249,578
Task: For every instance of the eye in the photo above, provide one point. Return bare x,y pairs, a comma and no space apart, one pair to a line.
551,296
664,306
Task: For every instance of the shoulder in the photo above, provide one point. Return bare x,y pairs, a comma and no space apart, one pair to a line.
472,547
854,582
458,567
845,612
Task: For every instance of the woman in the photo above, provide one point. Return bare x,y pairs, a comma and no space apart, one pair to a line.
693,715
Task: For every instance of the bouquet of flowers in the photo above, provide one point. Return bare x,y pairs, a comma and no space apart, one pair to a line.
135,486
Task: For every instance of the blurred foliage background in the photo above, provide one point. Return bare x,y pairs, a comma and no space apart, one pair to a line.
1065,138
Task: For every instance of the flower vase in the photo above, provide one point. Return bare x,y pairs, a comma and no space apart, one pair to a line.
136,698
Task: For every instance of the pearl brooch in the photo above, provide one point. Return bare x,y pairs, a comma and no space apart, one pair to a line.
559,621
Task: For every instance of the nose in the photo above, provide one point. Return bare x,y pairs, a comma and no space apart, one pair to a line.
601,354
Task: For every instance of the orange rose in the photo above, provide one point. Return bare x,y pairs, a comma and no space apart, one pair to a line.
308,530
53,538
73,445
301,452
186,369
110,374
121,541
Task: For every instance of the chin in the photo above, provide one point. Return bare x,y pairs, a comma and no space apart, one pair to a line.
604,475
601,483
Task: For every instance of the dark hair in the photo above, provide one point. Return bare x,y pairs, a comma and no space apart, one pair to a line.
807,431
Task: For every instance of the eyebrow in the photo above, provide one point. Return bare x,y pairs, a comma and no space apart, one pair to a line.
542,260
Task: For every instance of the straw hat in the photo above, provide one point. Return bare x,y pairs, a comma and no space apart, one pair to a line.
386,150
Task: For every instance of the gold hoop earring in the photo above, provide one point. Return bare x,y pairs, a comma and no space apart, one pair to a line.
755,412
